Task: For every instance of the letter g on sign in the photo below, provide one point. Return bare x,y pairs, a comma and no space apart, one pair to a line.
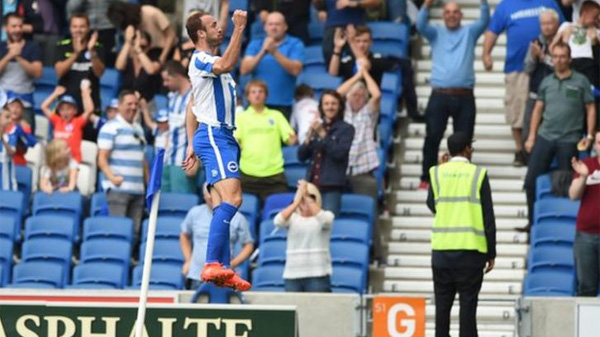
398,317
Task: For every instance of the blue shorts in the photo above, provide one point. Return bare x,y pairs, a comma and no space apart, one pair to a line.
219,152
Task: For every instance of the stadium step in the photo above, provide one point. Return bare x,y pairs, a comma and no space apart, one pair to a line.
486,79
425,65
482,158
426,287
497,53
420,196
416,248
485,106
425,261
480,145
424,235
480,92
407,273
425,222
494,171
481,131
498,185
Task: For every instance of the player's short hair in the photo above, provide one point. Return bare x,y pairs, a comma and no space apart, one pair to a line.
194,24
256,83
80,16
563,46
339,98
589,6
360,30
174,68
11,15
125,92
302,91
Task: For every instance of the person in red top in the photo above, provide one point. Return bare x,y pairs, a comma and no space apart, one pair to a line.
586,186
17,107
67,125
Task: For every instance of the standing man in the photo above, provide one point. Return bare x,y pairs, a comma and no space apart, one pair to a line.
557,122
452,78
276,60
463,237
121,158
210,123
520,20
586,186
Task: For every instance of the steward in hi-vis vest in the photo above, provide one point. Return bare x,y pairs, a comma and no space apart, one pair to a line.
463,236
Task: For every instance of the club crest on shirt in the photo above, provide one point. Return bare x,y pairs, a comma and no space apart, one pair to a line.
69,127
232,166
271,121
87,55
214,173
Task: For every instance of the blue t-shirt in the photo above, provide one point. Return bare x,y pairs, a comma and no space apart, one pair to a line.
520,19
342,17
281,84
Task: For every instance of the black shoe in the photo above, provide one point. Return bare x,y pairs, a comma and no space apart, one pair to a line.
525,229
519,160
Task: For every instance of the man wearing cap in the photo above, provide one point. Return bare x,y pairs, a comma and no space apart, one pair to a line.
463,237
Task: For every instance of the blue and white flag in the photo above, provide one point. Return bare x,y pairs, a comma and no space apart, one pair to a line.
155,177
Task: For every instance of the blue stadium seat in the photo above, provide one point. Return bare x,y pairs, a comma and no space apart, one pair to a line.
111,81
176,204
6,259
557,234
268,278
48,79
272,252
11,205
388,107
56,251
314,63
167,228
24,177
389,39
250,208
555,208
68,204
8,227
238,4
351,230
351,254
293,174
268,232
385,129
543,187
216,295
38,275
320,82
316,32
98,275
39,95
257,30
108,227
275,203
163,276
166,252
380,172
107,251
347,280
391,82
243,269
50,226
162,102
550,283
290,155
357,206
551,258
98,205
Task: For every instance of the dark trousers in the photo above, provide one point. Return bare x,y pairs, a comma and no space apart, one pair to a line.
586,249
264,186
539,163
446,283
439,108
321,284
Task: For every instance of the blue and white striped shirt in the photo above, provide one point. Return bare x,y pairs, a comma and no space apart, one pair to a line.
8,178
214,95
126,143
177,143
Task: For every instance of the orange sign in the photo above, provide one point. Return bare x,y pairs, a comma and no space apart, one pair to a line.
398,317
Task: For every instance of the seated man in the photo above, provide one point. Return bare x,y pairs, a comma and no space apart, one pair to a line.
194,236
277,60
260,132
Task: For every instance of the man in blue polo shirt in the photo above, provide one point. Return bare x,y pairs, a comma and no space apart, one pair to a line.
520,19
277,60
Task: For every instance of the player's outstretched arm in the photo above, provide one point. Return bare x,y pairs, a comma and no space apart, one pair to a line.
229,59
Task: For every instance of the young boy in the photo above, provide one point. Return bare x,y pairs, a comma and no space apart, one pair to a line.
8,144
21,128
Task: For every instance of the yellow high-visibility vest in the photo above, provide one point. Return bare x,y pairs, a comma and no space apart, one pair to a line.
458,223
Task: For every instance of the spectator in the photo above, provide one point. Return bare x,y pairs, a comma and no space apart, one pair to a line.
8,180
583,39
576,4
66,124
124,180
28,10
327,145
520,20
194,237
110,113
184,51
564,98
452,78
260,132
308,260
586,187
53,20
277,60
140,65
538,62
60,172
296,13
96,11
159,125
217,8
341,14
304,112
80,58
144,18
16,107
362,112
20,64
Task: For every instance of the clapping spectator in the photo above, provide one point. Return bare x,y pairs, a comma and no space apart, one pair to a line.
296,13
20,64
20,126
145,18
140,65
260,132
8,144
308,259
576,5
304,112
67,125
277,60
60,172
328,146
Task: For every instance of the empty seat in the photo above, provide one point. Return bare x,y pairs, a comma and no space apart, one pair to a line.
24,176
166,252
272,252
52,250
347,280
238,4
355,230
268,277
8,227
11,205
68,204
389,39
543,187
316,31
98,275
269,232
98,205
380,171
38,274
163,276
314,62
275,203
107,251
107,227
351,254
357,206
6,258
167,228
50,226
556,234
391,82
550,283
176,204
320,82
293,174
551,258
48,79
250,208
555,208
290,155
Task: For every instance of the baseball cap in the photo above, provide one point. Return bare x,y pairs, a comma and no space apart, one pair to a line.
457,142
14,98
67,99
114,103
161,116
